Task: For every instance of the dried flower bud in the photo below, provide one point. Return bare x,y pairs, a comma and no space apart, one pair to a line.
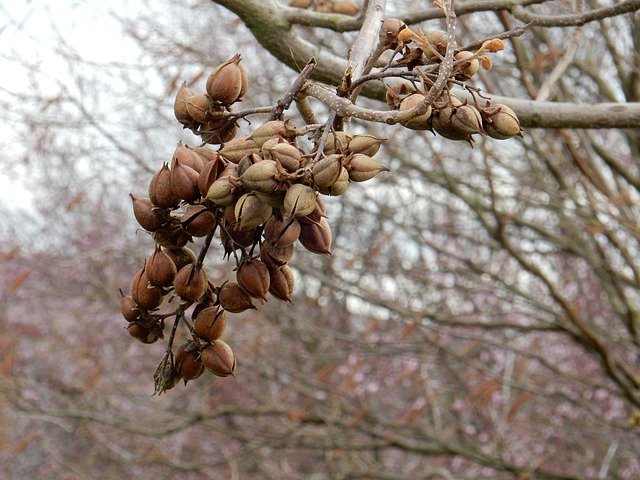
191,283
233,298
210,324
228,82
219,359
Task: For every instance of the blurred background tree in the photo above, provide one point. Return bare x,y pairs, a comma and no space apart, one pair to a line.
478,317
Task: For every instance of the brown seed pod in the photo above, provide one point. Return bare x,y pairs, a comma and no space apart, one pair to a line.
219,359
160,269
233,298
286,154
145,295
191,283
150,217
238,148
281,282
365,144
223,190
250,212
300,200
345,8
398,92
207,154
188,157
276,255
326,171
210,324
362,167
144,334
180,107
161,193
467,119
436,42
317,214
128,307
228,82
181,256
198,220
184,181
253,276
187,362
198,107
267,131
501,122
336,142
209,174
171,236
261,177
467,67
339,186
420,122
279,232
316,237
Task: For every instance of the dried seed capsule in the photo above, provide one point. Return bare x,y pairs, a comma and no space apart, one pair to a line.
171,236
345,8
437,42
219,359
467,119
233,298
191,283
128,307
187,362
188,157
209,174
145,295
238,148
250,211
362,168
180,107
502,122
184,181
316,237
279,233
467,67
198,107
145,334
210,324
336,142
228,82
207,154
365,144
198,220
276,255
327,170
300,200
267,131
281,282
161,270
261,177
253,277
150,217
222,191
161,193
181,256
339,186
286,154
421,122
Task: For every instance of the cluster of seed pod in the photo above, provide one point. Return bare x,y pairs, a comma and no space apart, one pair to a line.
447,116
260,194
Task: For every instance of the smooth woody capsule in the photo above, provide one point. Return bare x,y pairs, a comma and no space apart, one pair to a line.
468,66
365,144
316,237
233,298
210,324
219,359
128,307
161,193
362,167
261,177
467,119
190,283
144,334
503,123
228,82
209,174
250,211
267,131
188,157
181,256
179,105
184,181
222,191
238,148
285,153
300,200
280,232
198,107
187,362
145,295
326,171
160,269
281,282
147,214
198,220
421,122
336,142
253,276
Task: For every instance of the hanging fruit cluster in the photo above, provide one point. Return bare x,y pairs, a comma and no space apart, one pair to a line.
260,194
